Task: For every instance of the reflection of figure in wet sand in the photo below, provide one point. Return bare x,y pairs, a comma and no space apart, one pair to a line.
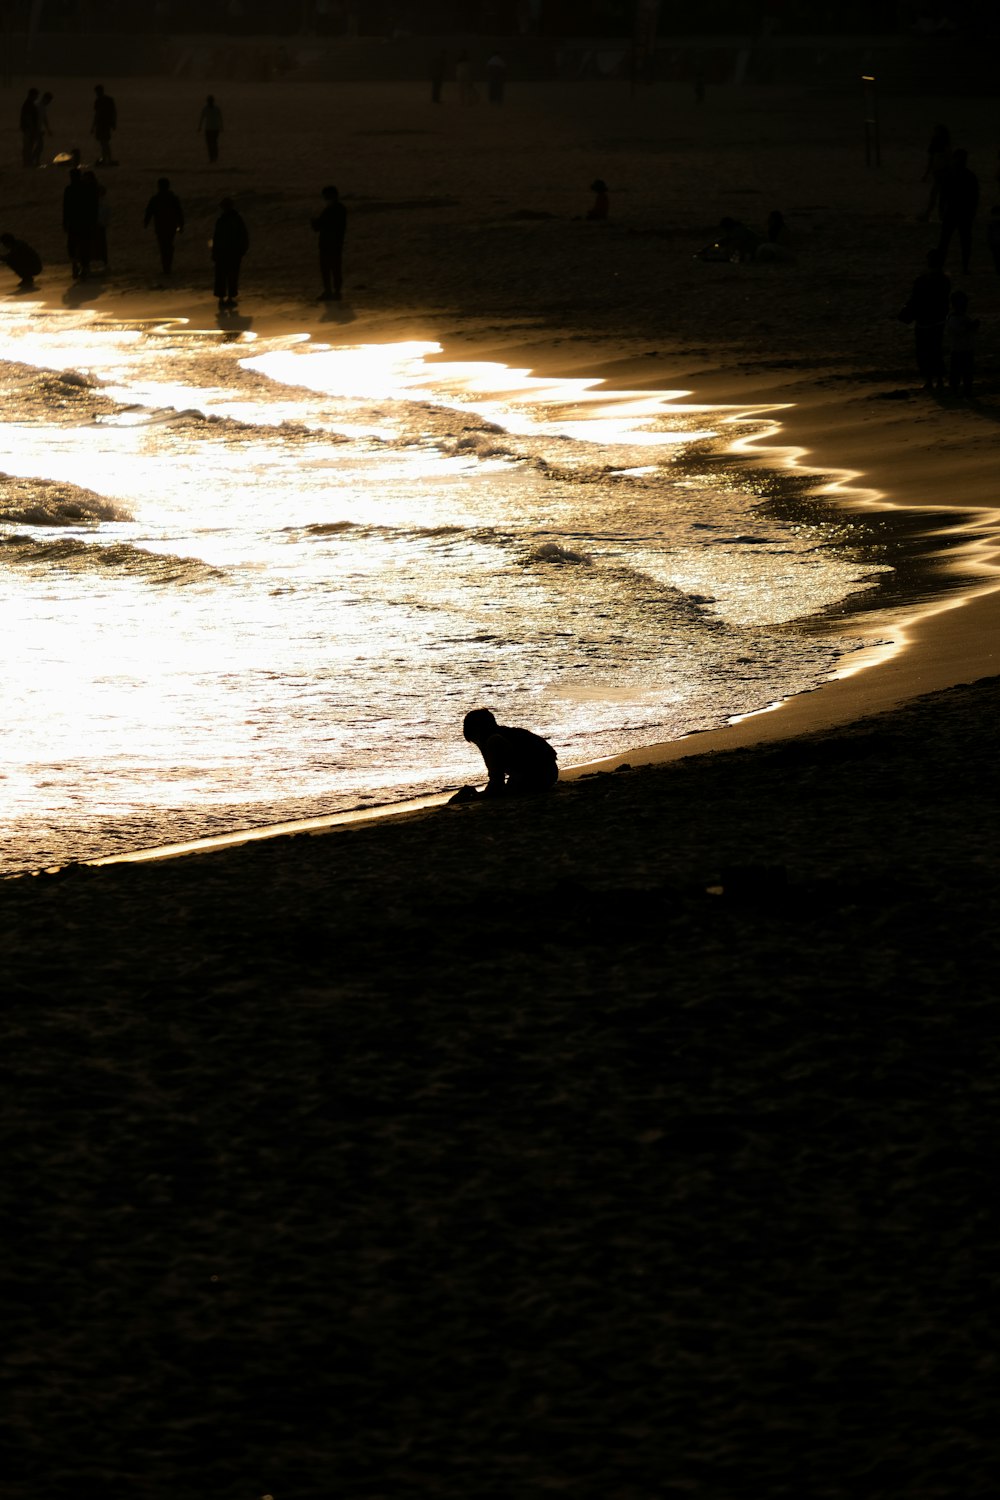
519,763
22,259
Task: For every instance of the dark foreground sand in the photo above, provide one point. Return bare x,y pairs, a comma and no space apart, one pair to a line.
638,1142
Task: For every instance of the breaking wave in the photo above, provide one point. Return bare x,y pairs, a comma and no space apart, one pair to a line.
48,502
118,559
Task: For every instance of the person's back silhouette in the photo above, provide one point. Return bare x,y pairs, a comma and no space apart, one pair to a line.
518,762
959,201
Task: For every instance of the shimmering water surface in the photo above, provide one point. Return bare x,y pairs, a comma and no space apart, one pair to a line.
243,577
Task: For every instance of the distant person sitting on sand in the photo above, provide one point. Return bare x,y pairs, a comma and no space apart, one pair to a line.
960,337
927,308
22,259
331,226
734,242
776,246
518,762
602,203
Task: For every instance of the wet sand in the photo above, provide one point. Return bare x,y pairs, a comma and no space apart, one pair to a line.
635,1142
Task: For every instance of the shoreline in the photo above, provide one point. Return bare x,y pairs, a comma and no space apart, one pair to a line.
934,644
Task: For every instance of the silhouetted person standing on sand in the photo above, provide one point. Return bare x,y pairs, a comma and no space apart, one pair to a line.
28,125
22,259
210,121
230,242
80,219
518,762
463,77
42,128
496,77
960,336
439,69
959,202
105,124
166,215
602,203
938,158
927,309
331,226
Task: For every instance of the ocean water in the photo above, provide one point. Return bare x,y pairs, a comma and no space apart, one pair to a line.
244,578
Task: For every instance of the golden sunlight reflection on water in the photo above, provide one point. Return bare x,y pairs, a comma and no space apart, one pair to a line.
327,554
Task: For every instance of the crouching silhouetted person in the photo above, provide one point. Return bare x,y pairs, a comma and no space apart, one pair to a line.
518,762
22,259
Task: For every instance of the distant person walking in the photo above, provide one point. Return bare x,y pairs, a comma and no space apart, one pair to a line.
463,77
959,202
24,261
960,337
105,124
43,128
496,78
331,226
28,125
230,242
938,158
210,124
927,308
166,215
80,220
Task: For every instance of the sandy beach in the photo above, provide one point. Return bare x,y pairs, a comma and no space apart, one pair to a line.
637,1142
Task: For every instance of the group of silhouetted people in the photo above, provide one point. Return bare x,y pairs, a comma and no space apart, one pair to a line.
945,334
85,210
